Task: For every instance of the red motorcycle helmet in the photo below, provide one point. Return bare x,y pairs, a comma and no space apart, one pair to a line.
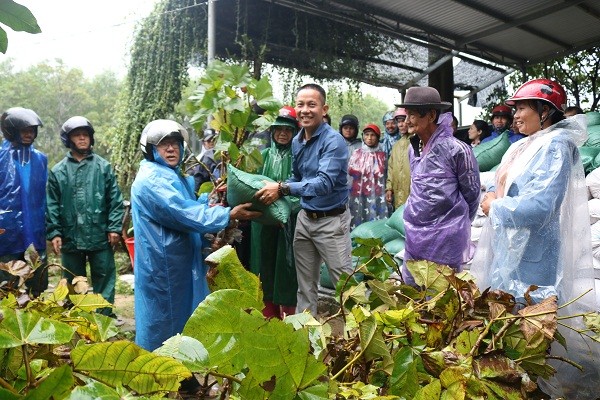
541,89
286,117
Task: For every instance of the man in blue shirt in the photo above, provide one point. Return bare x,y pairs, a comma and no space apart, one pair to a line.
319,178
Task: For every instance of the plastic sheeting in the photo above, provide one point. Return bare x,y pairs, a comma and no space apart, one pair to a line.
367,170
539,233
170,275
444,197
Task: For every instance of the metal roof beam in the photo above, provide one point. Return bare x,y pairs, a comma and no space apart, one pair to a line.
520,22
481,51
428,70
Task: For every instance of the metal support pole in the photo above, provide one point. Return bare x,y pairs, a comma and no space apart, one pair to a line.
212,16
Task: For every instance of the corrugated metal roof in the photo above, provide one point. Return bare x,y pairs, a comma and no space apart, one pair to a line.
507,32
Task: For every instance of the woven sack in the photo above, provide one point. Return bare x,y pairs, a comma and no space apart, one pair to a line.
593,118
396,220
375,229
241,188
489,154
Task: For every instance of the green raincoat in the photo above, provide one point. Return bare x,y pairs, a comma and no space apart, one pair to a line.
84,203
272,254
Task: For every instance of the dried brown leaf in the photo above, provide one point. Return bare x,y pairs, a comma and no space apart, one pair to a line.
80,285
540,317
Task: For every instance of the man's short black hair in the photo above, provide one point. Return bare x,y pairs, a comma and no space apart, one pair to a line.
575,109
316,87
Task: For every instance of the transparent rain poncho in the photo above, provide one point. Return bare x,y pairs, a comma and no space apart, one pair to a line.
538,233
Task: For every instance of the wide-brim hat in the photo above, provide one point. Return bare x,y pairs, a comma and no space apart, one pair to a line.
424,97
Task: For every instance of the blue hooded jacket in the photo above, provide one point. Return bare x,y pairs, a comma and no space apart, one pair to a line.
170,275
23,176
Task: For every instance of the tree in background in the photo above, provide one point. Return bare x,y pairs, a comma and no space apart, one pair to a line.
367,109
57,93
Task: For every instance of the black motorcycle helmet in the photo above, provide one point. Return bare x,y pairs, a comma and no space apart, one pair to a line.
75,123
16,118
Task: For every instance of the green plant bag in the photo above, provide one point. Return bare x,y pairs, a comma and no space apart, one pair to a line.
593,118
396,220
395,246
241,188
589,158
375,229
490,153
593,136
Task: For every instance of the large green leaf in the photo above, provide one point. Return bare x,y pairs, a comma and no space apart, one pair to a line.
18,17
227,272
218,324
429,274
125,364
3,43
188,350
29,327
432,391
8,395
88,302
270,351
404,380
94,326
56,385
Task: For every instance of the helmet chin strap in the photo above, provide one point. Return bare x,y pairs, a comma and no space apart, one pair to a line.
543,119
78,151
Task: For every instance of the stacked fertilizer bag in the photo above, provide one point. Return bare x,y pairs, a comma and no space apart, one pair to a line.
489,154
590,151
389,230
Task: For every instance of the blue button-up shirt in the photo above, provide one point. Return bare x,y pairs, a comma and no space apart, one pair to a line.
319,169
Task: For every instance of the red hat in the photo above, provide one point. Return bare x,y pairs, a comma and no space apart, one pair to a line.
374,128
501,110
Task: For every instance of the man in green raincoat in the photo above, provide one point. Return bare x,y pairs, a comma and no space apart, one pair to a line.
85,210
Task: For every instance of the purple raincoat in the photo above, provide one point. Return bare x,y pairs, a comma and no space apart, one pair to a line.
443,200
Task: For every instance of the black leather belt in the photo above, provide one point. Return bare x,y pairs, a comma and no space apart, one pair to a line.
322,214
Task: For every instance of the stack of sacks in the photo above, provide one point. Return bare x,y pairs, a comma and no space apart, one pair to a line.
593,143
381,229
592,182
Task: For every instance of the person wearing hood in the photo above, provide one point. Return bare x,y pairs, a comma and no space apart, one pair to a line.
397,186
169,221
367,169
445,188
84,219
272,256
23,176
349,130
391,134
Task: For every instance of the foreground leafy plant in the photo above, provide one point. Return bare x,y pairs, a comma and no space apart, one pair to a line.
444,339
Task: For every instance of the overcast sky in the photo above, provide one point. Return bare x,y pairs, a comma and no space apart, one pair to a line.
91,35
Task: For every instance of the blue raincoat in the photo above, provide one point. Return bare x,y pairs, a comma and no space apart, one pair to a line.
170,275
23,175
